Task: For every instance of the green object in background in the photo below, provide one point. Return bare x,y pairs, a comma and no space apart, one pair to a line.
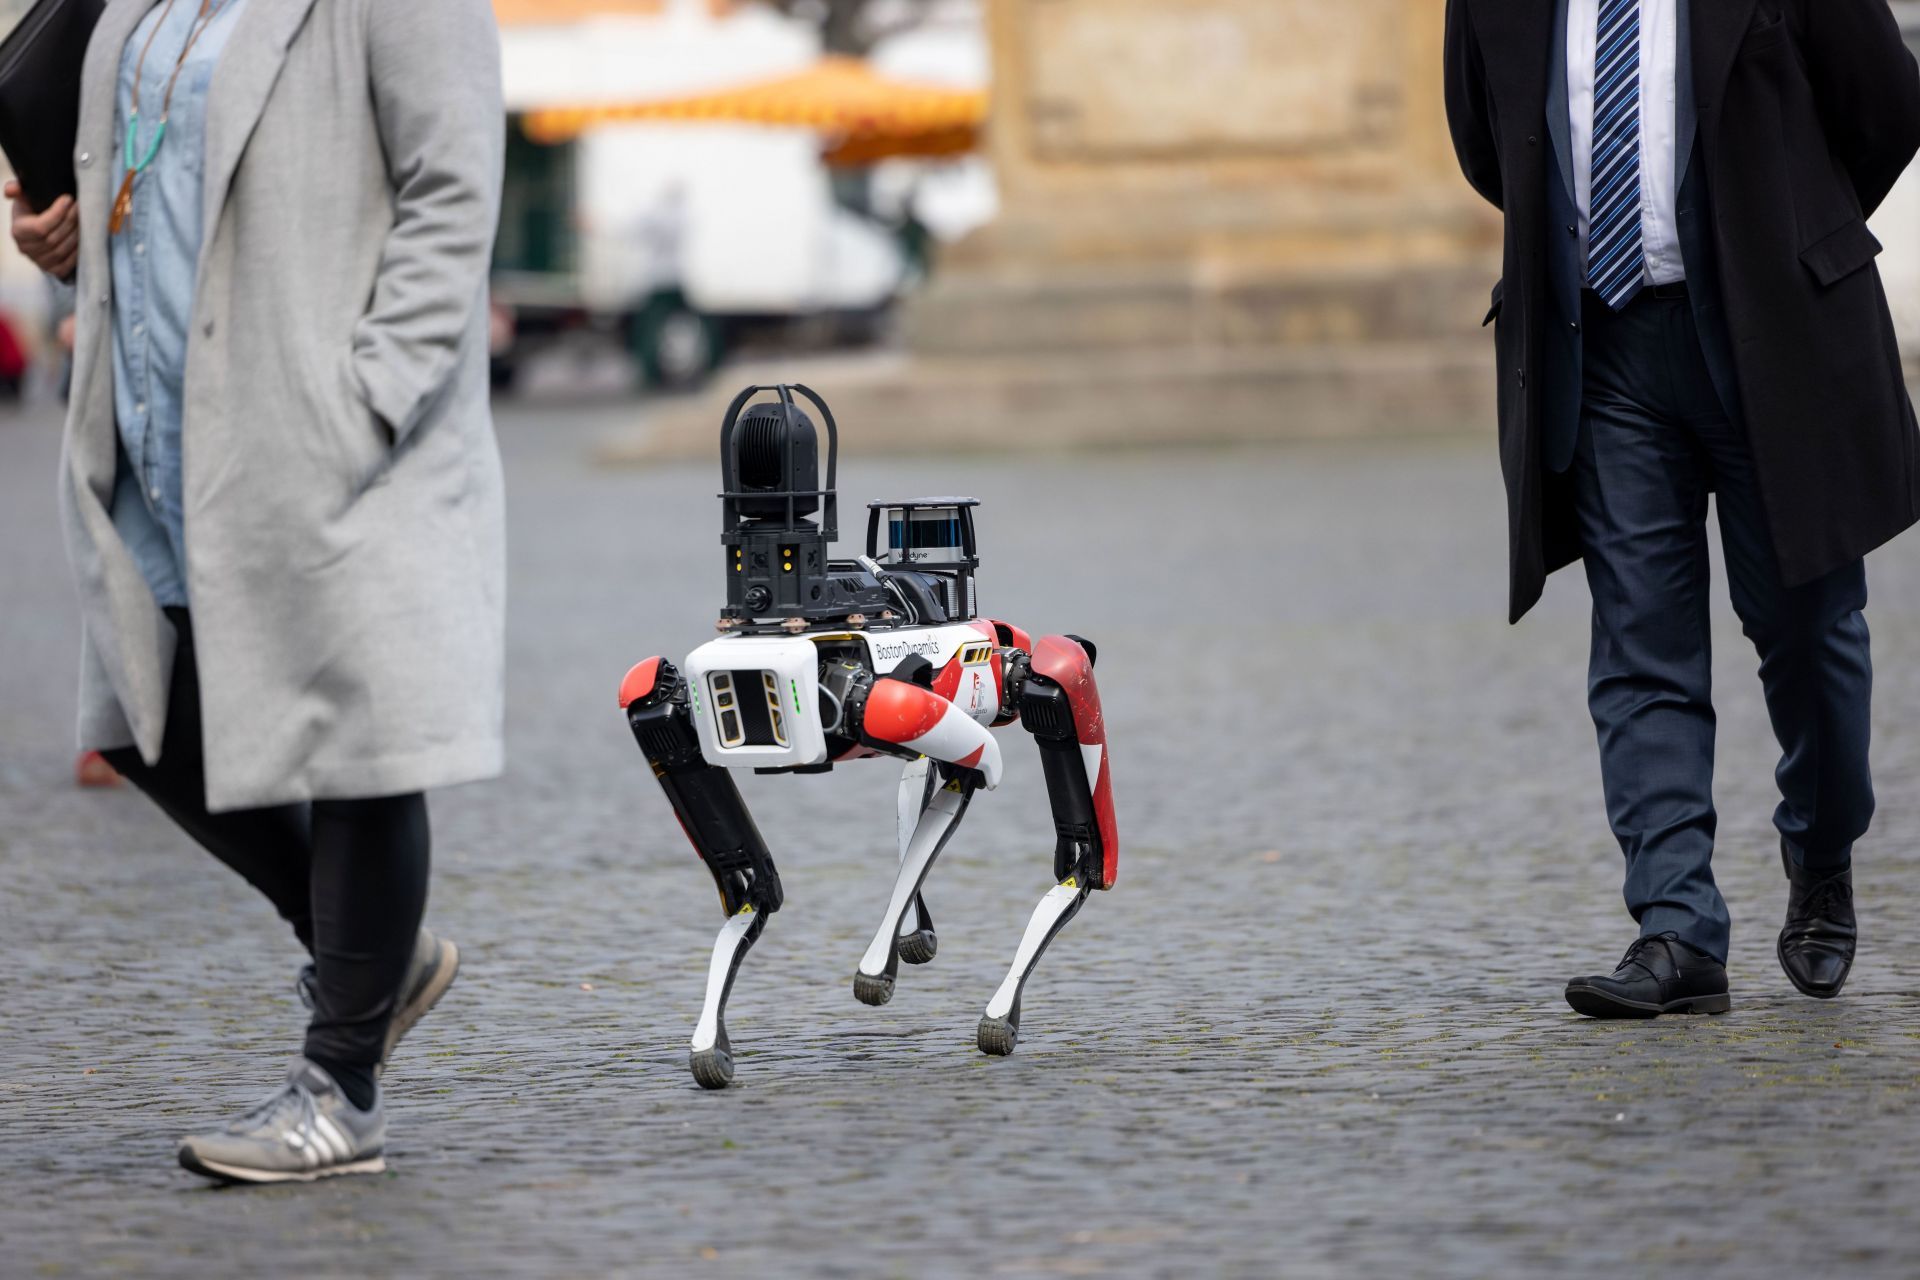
536,230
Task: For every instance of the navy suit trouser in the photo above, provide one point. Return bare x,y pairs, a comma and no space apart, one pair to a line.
1654,441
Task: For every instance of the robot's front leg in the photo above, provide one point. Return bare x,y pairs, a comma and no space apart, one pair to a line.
711,1059
873,983
904,718
723,833
918,941
1060,705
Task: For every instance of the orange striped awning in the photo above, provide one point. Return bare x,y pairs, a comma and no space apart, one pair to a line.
553,13
865,115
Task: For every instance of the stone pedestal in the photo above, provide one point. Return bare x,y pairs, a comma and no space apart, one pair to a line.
1210,182
1224,220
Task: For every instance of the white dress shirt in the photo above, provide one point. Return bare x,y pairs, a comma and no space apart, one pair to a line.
1659,129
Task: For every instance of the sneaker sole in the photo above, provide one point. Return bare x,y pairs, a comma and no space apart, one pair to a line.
1595,1003
423,1001
236,1173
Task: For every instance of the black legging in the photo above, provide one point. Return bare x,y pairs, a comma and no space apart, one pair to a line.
350,876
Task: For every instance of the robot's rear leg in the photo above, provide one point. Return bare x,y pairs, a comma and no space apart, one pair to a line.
723,833
1000,1025
1060,706
953,788
918,942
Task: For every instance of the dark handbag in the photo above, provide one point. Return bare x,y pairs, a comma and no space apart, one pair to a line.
40,95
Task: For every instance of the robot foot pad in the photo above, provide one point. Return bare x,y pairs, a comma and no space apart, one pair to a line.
919,947
712,1068
873,989
997,1037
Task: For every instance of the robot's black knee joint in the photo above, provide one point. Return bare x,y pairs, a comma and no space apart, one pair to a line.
1046,711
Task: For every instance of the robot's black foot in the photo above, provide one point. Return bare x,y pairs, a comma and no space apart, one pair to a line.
869,989
920,947
998,1036
922,944
713,1068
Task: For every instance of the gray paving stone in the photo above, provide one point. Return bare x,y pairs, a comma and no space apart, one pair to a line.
1316,1031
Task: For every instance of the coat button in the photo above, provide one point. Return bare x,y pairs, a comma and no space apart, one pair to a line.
1523,377
1574,325
86,158
1532,141
1572,230
207,328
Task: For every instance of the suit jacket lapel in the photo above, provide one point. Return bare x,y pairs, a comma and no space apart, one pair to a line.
1513,36
242,83
1559,113
1715,33
1685,106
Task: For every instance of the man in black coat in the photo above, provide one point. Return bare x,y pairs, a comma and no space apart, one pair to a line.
1690,305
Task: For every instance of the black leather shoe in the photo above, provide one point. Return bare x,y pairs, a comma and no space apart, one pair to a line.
1817,943
1658,975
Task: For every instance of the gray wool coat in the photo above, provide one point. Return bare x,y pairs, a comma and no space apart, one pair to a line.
343,499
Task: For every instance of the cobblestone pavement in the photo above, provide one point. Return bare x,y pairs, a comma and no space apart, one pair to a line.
1317,1030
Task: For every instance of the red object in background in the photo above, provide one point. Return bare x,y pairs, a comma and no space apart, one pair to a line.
92,770
13,355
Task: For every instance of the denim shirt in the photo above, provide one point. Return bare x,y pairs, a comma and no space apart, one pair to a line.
155,259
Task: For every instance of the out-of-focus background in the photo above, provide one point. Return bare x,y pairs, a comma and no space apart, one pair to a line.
1024,221
1316,1030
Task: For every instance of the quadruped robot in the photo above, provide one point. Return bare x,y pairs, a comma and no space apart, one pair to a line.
822,661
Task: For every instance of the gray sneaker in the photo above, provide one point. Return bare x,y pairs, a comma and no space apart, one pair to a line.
306,1130
435,963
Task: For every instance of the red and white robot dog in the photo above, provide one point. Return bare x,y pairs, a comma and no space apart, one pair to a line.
823,661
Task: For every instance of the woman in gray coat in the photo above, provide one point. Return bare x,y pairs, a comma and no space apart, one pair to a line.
280,487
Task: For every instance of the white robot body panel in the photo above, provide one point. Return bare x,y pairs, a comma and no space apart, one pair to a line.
756,700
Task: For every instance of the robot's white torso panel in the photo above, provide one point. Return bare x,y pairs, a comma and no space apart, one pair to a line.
756,700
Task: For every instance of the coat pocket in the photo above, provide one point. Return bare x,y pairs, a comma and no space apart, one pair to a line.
364,439
1834,257
1499,296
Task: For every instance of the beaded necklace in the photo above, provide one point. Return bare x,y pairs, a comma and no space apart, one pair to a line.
123,203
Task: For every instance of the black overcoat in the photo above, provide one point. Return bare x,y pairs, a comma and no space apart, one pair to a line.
1808,111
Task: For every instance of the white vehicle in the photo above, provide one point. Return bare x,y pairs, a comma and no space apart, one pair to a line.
684,239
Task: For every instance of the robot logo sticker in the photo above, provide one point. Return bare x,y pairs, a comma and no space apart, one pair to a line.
895,650
977,694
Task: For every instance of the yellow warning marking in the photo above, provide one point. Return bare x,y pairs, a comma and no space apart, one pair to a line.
1070,883
745,911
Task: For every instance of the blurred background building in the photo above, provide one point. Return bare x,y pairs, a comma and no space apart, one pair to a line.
1052,221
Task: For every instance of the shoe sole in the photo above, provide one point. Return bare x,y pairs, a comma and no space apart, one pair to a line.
1595,1003
1818,993
409,1014
238,1173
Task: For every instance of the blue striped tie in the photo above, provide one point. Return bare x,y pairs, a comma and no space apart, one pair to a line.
1616,258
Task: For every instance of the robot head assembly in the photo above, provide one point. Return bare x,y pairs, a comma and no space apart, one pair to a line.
779,522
